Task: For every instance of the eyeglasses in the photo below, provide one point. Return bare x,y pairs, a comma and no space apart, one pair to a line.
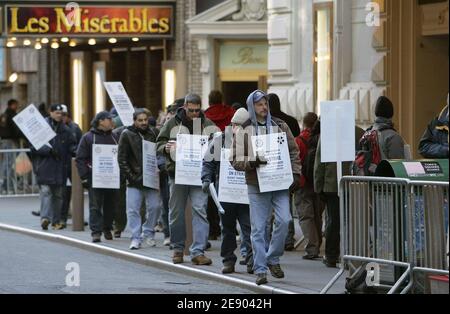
194,110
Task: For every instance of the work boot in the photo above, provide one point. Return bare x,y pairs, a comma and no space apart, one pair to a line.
228,269
177,257
276,271
261,279
201,260
44,224
108,235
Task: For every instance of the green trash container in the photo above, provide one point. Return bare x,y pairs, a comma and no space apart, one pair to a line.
417,170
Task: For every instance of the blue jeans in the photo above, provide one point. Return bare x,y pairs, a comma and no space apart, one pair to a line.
261,205
152,205
200,225
51,197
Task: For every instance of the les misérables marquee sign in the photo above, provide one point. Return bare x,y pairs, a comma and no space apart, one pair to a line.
90,20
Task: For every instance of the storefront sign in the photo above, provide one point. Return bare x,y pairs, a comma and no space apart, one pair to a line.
251,56
89,20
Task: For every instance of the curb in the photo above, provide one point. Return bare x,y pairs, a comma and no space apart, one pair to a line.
147,261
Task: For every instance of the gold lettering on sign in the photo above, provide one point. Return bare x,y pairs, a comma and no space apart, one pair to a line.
245,56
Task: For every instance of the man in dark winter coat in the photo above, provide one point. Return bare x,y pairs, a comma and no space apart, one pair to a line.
102,202
434,142
132,167
51,163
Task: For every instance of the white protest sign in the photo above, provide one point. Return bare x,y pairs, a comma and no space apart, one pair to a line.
121,101
337,135
34,127
277,174
189,159
105,167
150,165
232,186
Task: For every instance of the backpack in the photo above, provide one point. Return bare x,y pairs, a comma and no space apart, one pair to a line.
370,154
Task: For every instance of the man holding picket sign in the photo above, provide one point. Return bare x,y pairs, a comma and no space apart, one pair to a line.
99,171
232,193
138,164
266,150
183,140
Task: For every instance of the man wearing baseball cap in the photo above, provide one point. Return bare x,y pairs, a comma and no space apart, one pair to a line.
265,256
51,163
102,202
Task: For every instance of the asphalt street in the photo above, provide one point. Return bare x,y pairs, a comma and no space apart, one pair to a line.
30,265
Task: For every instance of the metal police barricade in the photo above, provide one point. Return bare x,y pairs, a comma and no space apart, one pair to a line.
428,208
373,224
16,173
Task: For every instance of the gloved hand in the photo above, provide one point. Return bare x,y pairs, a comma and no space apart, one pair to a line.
54,154
205,186
85,183
260,161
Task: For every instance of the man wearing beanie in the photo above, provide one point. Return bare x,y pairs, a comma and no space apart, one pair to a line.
392,145
233,212
51,163
266,256
102,202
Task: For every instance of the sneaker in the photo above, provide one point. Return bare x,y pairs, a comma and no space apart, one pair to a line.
108,235
117,234
250,269
201,260
57,226
44,224
177,257
276,271
228,269
310,257
96,238
261,279
135,244
149,242
166,242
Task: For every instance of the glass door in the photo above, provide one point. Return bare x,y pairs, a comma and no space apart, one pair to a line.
323,53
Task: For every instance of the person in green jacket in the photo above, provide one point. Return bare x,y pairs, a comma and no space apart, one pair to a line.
189,119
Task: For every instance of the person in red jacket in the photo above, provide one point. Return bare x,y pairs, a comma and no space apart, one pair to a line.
218,112
308,203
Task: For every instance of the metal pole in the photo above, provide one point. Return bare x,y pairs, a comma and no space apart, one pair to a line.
77,200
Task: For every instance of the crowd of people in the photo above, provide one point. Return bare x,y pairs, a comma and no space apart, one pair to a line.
266,226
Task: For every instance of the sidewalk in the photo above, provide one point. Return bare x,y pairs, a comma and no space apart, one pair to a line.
304,277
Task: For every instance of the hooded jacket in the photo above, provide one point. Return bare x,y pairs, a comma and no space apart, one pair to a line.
84,152
220,114
130,154
434,142
243,154
179,124
51,164
391,143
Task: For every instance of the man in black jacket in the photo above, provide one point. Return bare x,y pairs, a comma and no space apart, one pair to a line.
102,202
50,164
275,108
132,167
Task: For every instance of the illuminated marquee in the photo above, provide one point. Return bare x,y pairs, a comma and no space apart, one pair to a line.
150,21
